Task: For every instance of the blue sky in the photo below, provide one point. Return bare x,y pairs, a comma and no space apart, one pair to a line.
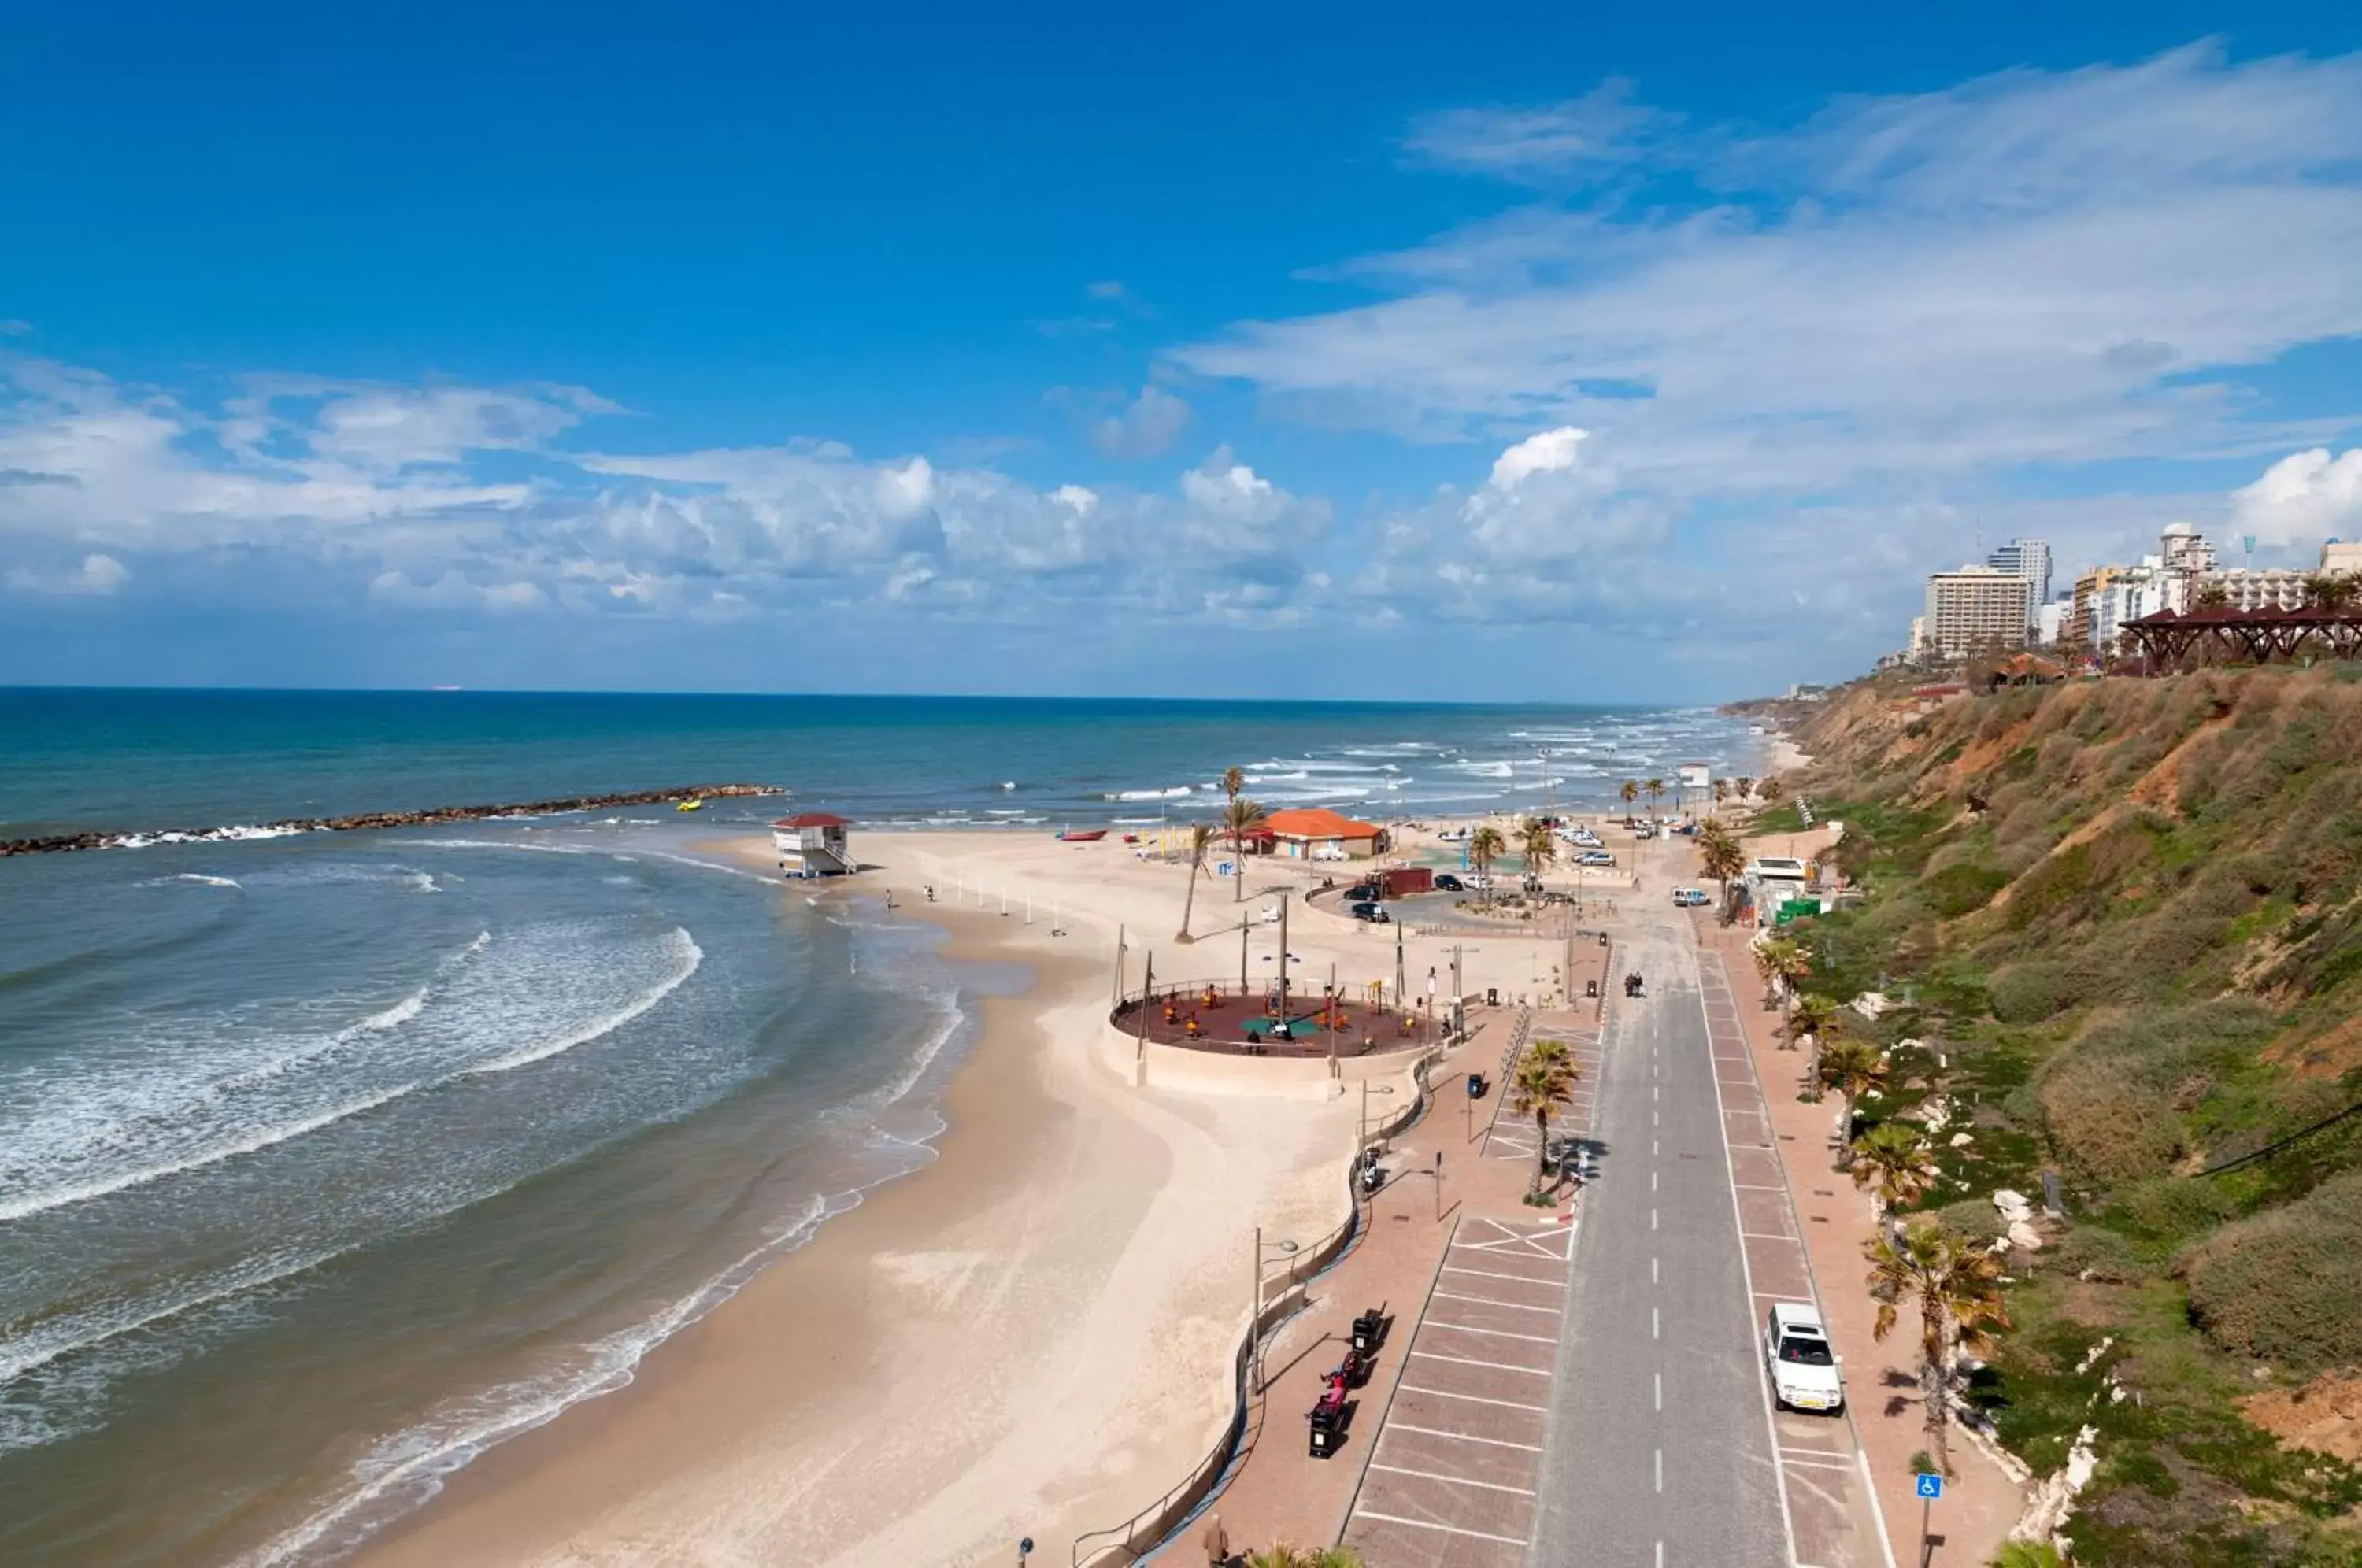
1312,350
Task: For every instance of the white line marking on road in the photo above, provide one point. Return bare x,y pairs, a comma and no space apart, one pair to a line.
1652,1181
1472,1398
1495,1365
1659,1378
1652,1091
1660,1470
1768,1236
1493,1333
1494,1274
1447,1530
1814,1463
1514,1306
1449,1480
1653,1149
1652,1118
1652,1270
1457,1437
1661,1554
1656,1327
1745,1186
1652,1218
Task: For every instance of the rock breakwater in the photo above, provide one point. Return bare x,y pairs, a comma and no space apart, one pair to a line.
63,843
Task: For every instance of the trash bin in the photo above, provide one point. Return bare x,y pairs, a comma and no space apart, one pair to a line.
1590,990
1603,939
1324,1440
1491,995
1366,1329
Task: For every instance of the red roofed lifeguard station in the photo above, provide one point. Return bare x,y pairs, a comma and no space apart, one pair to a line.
1319,835
813,844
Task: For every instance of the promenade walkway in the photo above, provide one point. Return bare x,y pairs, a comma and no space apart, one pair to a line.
1463,1212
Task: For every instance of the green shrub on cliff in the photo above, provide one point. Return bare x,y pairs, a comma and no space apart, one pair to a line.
2285,1286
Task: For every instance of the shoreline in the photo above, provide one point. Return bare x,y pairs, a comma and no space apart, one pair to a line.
865,1396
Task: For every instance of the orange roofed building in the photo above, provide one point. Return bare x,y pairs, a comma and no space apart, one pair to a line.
1318,834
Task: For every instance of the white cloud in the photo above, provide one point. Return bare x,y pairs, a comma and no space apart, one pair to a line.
98,575
11,327
2030,269
1603,128
1107,289
1145,427
2303,499
1552,451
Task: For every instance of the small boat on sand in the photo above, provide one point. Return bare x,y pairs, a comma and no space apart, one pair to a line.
1082,836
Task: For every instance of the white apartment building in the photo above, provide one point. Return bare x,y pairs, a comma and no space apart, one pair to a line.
2050,622
2342,556
1975,610
2184,549
2260,588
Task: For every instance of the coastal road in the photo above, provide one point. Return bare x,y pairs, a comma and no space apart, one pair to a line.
1660,1451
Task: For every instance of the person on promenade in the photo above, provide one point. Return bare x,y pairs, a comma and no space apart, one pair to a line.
1217,1541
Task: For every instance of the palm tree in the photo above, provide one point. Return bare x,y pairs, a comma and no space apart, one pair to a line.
2213,596
1483,846
1852,1067
1656,788
1771,789
1894,1160
1721,790
1784,966
1631,792
1280,1554
1956,1285
1746,783
1540,1086
1549,1051
2330,590
1234,784
1539,843
1810,1017
1200,835
1239,818
1720,858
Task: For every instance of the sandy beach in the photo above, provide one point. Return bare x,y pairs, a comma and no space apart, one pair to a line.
1030,1336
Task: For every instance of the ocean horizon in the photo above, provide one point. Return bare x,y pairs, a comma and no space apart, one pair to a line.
328,1161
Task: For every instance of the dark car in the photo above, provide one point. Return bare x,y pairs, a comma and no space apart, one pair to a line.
1374,913
1364,892
1448,883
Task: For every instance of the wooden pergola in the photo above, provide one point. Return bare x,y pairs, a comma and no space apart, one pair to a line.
2174,639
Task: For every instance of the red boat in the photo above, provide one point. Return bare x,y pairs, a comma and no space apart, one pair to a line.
1082,836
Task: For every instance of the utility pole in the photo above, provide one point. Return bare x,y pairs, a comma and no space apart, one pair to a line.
1401,995
1283,959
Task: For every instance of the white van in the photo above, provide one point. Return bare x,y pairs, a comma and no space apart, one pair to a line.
1797,1351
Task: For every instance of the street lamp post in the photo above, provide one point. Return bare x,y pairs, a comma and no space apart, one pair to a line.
1367,1090
1254,1324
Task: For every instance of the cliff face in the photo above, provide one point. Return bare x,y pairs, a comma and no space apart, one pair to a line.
2128,915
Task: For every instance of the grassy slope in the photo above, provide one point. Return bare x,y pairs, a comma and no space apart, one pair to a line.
2129,917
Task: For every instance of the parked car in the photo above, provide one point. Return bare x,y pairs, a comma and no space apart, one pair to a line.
1364,892
1480,884
1594,858
1447,883
1690,897
1797,1352
1374,913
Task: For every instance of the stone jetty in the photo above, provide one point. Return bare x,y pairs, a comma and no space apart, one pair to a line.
61,843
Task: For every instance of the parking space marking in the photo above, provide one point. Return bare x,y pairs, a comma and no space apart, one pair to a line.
1474,1399
1450,1480
1460,1437
1447,1530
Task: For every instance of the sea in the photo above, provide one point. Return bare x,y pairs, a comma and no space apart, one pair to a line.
330,1160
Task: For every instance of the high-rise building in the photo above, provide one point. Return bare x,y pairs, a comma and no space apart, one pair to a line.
1976,610
2028,558
2183,548
2338,556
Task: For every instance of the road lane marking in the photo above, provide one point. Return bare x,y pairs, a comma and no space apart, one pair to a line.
1652,1181
1495,1365
1659,1378
1449,1480
1458,1436
1474,1399
1652,1270
1494,1333
1660,1470
1447,1530
1513,1306
1768,1236
1652,1218
1656,1328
